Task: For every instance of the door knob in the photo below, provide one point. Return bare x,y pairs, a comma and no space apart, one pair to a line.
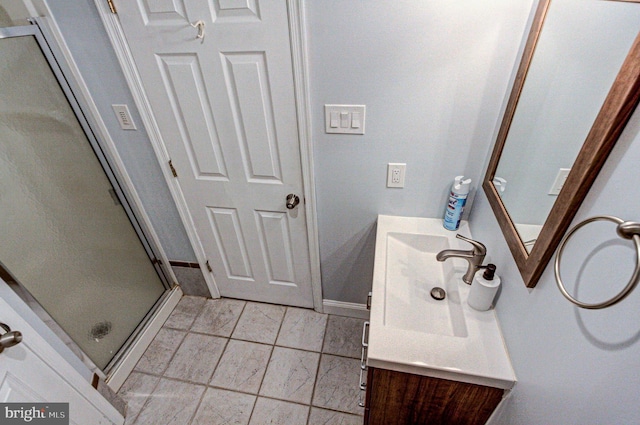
292,201
9,338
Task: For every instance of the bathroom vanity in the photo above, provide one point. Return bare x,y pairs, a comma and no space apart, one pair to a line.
428,360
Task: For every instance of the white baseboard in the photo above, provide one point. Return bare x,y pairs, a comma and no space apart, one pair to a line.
120,373
341,308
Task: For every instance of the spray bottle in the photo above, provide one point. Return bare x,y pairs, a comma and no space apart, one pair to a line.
457,200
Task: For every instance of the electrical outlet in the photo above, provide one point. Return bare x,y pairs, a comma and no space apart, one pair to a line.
561,177
395,174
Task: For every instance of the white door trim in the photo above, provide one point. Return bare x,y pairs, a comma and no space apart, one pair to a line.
300,75
297,31
125,58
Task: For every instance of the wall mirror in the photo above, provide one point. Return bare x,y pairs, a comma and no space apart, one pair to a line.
575,89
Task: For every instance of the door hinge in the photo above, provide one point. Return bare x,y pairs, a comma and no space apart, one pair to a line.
209,267
173,169
112,6
114,196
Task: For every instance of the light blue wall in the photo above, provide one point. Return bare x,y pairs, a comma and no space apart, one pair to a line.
575,366
432,76
84,33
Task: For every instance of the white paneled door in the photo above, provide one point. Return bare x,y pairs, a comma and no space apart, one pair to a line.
219,77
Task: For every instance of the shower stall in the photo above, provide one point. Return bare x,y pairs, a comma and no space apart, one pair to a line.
71,244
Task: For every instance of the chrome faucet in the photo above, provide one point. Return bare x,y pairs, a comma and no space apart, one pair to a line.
474,256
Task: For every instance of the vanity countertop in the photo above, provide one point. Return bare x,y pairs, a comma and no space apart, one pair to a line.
466,345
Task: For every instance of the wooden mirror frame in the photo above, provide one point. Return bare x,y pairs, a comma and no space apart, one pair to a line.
616,110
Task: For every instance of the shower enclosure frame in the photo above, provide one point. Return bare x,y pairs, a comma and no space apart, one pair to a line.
53,49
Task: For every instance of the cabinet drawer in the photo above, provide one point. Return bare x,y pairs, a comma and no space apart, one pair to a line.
397,398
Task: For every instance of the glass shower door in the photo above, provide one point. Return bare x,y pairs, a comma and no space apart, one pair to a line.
65,236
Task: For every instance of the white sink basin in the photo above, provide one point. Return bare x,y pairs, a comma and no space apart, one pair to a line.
411,273
414,333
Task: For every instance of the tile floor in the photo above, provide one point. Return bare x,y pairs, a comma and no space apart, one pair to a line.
234,362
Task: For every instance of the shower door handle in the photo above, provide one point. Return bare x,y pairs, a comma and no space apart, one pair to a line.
9,338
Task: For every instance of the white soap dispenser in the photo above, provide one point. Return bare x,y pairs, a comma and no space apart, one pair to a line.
484,288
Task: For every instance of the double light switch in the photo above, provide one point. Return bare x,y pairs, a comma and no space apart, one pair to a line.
344,119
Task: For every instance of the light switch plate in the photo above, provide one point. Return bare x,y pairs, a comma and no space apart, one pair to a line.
344,119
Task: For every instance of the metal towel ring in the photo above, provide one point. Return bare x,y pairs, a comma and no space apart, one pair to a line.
626,230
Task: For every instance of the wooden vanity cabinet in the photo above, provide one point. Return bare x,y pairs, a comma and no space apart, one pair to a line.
398,398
